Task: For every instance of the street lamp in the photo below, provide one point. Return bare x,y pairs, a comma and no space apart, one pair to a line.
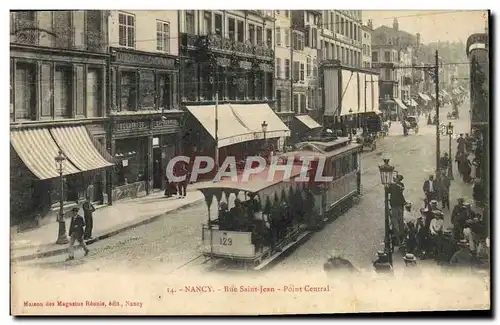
349,118
61,236
449,131
386,178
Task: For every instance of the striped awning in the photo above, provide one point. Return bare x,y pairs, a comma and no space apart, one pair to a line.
308,121
37,149
75,142
400,103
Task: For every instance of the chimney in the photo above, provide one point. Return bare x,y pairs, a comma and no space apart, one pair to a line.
395,24
418,40
370,23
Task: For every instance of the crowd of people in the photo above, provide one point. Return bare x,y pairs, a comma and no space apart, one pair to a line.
424,235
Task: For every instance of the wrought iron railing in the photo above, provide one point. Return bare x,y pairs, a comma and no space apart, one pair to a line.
64,38
25,32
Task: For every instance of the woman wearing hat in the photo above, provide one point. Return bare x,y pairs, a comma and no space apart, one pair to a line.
463,257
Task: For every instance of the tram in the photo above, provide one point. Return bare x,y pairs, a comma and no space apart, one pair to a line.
253,222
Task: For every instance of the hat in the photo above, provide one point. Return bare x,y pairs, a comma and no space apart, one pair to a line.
433,202
448,232
334,254
467,204
75,209
410,257
463,243
399,177
438,213
460,199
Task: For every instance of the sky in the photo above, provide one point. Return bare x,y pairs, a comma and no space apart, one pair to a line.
433,26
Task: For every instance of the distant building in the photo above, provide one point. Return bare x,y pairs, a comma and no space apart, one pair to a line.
367,45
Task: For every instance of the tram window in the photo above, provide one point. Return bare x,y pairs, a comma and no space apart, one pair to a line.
338,168
355,161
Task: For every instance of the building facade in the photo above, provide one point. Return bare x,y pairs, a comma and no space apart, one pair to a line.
341,36
283,55
366,41
145,115
227,77
58,102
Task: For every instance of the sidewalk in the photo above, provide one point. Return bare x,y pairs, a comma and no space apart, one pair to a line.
108,221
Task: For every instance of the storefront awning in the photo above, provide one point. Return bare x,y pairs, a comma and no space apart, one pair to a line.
400,103
308,121
239,123
424,97
75,142
37,149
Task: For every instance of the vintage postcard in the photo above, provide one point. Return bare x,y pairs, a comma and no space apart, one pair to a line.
249,162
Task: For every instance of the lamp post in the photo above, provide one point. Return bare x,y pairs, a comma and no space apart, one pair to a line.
61,236
386,178
449,130
349,118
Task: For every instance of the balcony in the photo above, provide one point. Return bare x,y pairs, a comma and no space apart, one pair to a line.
65,38
25,32
94,41
217,43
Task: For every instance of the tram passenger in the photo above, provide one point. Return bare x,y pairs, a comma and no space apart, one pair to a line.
238,216
224,220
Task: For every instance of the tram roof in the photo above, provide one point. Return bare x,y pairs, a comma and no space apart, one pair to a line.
256,182
318,149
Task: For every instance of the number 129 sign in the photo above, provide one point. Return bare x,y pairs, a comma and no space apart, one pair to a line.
225,241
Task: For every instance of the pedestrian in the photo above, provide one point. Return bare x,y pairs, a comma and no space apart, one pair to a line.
444,162
182,185
445,192
467,169
397,201
76,233
461,147
88,210
463,257
478,192
436,230
430,189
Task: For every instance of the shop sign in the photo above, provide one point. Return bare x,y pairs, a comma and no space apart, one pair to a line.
131,125
143,59
165,123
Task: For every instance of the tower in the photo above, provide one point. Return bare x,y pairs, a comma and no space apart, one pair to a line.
395,24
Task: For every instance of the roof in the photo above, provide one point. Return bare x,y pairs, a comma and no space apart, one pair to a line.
255,183
318,150
405,37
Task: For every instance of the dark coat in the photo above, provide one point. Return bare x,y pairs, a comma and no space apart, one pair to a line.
397,198
426,186
76,226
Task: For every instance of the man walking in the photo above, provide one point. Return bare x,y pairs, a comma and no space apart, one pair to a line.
182,185
88,210
76,234
445,192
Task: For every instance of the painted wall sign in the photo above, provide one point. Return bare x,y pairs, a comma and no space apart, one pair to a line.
131,125
163,123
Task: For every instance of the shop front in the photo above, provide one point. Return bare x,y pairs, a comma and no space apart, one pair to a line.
35,173
304,126
142,149
242,130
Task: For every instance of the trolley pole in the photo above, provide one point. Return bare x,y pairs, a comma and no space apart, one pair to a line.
216,133
438,140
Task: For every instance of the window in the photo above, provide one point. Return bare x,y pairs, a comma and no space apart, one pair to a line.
314,42
278,36
315,68
302,103
375,56
296,103
287,69
342,26
343,54
332,22
93,92
147,89
231,28
126,26
25,91
278,100
63,91
296,70
128,90
387,74
307,38
327,50
165,91
189,15
251,33
259,35
287,13
162,36
269,85
269,37
308,66
338,53
351,30
218,24
207,22
278,68
240,32
287,37
387,56
302,71
337,23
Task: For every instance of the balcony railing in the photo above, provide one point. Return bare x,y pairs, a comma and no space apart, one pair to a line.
94,41
65,38
25,32
217,43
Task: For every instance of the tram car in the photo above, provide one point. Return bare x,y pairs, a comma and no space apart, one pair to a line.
253,222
